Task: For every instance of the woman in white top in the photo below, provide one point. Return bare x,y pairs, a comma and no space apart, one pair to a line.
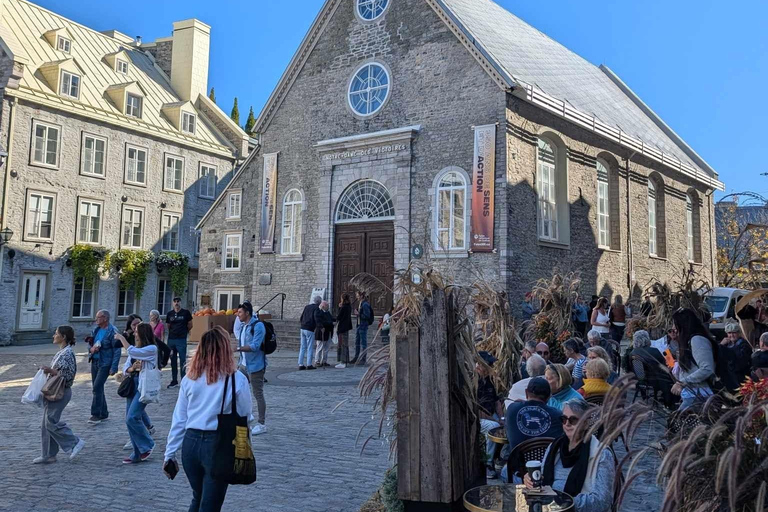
143,356
600,319
195,418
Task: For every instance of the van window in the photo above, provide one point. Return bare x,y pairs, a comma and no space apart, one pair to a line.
716,303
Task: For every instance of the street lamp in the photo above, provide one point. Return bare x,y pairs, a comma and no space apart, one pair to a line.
5,236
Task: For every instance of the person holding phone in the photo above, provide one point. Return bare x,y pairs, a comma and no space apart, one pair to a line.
195,418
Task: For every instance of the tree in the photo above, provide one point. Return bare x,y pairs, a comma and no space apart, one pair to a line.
212,95
250,122
742,240
235,114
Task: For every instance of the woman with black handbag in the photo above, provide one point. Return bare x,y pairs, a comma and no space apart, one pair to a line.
55,433
205,393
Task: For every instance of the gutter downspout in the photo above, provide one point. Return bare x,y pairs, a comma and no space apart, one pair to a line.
7,177
711,238
630,251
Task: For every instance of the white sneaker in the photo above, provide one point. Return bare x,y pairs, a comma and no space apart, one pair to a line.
43,460
128,445
341,366
259,429
77,449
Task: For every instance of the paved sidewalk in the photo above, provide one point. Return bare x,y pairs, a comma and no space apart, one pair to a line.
307,461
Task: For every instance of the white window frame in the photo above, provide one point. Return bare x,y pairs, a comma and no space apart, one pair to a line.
94,300
121,66
87,172
653,239
369,90
204,190
37,221
198,236
90,201
232,251
452,190
163,294
231,213
371,5
546,189
603,206
174,158
46,140
164,231
68,83
64,44
124,221
691,251
229,293
131,110
292,222
120,292
188,122
127,164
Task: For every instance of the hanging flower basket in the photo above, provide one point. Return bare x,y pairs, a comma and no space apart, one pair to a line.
176,265
131,268
87,262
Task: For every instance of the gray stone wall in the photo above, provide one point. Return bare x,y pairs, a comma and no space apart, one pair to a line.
162,52
68,184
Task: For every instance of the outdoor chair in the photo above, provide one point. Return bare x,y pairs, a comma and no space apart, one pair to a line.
529,450
596,400
642,385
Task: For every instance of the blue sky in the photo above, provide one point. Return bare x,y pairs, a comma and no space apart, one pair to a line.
701,65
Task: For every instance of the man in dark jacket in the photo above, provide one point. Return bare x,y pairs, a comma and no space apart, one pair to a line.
364,319
308,325
734,358
323,333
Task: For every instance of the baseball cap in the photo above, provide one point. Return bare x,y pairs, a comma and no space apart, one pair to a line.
538,386
177,299
488,358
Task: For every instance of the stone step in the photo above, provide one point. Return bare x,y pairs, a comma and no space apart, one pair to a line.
32,338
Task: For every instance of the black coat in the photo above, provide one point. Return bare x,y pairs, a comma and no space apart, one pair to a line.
308,317
345,319
323,325
734,363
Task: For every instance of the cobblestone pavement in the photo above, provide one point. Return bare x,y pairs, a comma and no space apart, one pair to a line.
307,461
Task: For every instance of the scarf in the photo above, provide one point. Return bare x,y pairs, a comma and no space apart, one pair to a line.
577,460
595,387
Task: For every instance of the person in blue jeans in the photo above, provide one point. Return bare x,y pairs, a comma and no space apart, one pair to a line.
364,320
253,360
142,356
179,322
308,324
105,357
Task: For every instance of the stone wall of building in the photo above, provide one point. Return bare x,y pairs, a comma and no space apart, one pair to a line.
69,185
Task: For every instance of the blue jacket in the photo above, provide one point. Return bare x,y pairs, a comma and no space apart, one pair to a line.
366,312
252,334
565,395
111,349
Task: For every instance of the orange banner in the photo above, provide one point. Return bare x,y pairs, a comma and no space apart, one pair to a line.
483,176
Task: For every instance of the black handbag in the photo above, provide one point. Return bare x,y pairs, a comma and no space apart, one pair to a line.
233,462
127,388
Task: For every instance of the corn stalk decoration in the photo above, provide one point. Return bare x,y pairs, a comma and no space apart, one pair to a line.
553,324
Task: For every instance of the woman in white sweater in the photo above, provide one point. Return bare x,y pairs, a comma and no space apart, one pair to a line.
697,353
195,418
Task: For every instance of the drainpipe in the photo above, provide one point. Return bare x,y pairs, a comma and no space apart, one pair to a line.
7,177
711,238
630,251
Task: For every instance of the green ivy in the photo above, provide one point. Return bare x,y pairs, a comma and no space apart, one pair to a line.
87,262
388,492
131,267
177,267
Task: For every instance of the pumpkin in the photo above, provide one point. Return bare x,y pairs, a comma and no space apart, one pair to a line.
230,312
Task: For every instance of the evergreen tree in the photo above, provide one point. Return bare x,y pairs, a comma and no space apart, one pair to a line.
250,122
212,95
235,114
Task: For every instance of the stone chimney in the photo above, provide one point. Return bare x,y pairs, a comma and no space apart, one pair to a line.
189,58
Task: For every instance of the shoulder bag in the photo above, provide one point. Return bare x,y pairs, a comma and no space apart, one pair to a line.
233,461
127,387
54,387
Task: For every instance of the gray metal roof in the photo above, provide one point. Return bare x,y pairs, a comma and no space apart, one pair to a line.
532,58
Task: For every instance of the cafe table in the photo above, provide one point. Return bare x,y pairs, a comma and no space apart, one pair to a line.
512,498
498,435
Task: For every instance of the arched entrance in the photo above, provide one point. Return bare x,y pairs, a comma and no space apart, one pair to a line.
365,240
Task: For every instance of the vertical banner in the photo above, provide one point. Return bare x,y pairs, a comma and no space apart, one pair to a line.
483,177
268,197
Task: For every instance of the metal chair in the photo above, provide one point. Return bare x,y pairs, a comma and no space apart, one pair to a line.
527,451
642,386
596,400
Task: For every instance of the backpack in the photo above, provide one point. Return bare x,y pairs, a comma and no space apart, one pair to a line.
371,315
270,338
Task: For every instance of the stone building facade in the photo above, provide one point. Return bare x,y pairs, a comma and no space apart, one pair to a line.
85,168
373,130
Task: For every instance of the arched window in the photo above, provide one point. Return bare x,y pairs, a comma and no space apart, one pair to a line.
657,244
365,201
546,179
451,211
693,225
291,239
607,207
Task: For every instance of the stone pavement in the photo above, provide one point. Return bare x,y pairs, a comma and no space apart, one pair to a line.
307,461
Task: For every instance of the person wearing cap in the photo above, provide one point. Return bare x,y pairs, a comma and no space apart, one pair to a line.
179,322
734,358
253,360
491,410
533,417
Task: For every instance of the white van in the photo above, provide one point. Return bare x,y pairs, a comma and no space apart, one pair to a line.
721,303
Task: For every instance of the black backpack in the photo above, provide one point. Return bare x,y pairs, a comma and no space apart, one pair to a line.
270,338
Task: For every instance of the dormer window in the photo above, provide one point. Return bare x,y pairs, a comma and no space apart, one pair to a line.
70,85
63,44
133,105
121,66
188,122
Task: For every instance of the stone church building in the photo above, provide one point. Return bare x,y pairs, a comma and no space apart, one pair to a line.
452,132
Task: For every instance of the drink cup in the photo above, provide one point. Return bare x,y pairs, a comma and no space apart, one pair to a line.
534,471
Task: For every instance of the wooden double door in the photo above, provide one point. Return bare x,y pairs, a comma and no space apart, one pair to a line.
368,247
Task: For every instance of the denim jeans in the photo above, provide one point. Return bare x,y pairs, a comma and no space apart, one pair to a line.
361,343
486,426
99,375
137,429
307,350
178,347
197,454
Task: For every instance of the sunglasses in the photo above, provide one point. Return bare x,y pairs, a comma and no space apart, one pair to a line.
542,353
570,420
